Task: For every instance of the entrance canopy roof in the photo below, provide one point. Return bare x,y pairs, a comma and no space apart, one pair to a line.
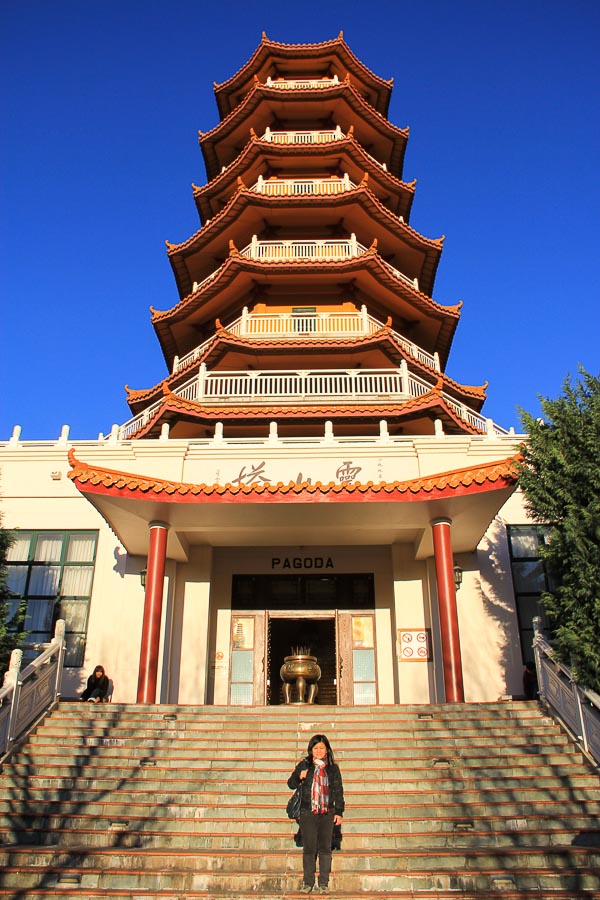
298,514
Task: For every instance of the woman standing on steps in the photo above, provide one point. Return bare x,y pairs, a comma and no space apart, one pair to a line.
322,808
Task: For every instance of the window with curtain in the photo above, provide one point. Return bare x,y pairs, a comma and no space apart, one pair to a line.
530,580
54,571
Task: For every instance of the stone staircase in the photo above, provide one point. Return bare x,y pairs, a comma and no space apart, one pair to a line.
461,801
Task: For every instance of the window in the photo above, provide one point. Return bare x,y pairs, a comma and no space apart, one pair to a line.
54,572
363,660
530,580
242,660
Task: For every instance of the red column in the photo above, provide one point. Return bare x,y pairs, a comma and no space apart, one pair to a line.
444,573
148,672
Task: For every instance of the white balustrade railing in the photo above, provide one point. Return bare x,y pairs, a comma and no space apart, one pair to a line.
342,248
200,284
288,187
29,692
291,84
290,386
333,249
293,325
303,137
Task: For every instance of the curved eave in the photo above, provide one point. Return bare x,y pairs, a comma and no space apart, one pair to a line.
209,296
431,405
242,515
92,479
224,342
232,224
268,52
246,115
256,149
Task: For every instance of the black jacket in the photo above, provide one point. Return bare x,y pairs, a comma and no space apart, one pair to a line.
96,684
336,788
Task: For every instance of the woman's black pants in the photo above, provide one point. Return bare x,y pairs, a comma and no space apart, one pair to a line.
316,841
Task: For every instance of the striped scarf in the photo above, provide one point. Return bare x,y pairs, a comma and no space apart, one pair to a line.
319,797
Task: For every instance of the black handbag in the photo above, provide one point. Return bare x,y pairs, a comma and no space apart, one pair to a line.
294,804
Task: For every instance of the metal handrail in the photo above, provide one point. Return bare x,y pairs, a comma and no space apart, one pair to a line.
576,707
30,692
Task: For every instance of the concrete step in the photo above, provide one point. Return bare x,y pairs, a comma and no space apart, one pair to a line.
499,709
500,757
63,887
442,822
153,801
166,834
198,860
186,871
384,795
399,821
196,756
342,730
65,788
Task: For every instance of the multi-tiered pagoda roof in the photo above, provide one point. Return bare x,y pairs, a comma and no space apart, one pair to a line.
305,297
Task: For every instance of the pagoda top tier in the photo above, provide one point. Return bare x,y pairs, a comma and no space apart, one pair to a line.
289,62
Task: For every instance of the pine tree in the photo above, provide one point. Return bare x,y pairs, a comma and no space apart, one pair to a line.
560,477
11,626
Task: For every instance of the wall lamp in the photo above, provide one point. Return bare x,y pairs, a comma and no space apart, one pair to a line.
458,575
144,572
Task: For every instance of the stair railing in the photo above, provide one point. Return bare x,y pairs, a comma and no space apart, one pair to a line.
29,692
576,707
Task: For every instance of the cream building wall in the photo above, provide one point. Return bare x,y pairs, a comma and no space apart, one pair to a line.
35,493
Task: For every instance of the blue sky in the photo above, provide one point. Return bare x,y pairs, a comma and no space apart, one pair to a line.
102,102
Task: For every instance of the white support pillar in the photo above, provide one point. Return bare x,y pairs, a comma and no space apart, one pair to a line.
405,386
201,381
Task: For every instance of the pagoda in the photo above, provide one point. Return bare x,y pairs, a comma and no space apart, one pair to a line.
305,297
306,426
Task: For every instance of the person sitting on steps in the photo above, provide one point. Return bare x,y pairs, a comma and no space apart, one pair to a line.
97,686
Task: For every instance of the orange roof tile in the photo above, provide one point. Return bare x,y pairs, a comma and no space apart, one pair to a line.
244,112
224,339
322,45
268,47
264,149
378,212
472,479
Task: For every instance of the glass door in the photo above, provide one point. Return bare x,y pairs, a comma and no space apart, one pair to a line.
247,673
357,664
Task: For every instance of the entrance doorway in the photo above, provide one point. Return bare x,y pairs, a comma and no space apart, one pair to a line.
286,634
332,614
